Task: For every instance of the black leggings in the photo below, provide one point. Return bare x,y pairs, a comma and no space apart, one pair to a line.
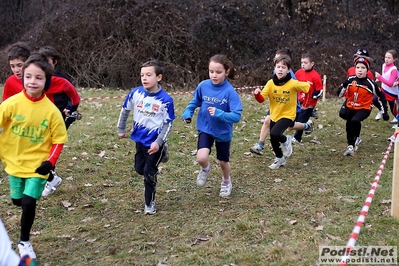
277,134
28,205
354,120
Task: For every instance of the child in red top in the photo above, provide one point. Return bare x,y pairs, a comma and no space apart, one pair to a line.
308,100
65,96
360,53
16,56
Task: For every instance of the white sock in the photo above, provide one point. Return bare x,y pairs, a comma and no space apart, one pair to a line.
206,169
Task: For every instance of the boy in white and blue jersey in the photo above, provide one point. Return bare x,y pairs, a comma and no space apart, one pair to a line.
153,115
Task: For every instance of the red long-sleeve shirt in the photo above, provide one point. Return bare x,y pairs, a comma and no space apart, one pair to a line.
314,79
58,85
12,86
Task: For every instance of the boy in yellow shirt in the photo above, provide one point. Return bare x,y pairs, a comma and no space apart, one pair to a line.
33,137
282,92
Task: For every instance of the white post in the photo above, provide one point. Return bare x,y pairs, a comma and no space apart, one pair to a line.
395,179
324,88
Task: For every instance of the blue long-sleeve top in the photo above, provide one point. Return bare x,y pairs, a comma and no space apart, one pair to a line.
228,109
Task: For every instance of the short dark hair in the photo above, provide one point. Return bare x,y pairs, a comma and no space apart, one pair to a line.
40,61
285,59
18,50
50,51
156,64
284,51
310,56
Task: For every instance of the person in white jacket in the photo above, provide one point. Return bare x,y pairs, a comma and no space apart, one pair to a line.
8,257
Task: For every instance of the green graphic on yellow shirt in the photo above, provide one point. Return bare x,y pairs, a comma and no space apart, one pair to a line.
34,133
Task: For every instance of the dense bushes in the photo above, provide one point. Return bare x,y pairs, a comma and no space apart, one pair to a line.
104,42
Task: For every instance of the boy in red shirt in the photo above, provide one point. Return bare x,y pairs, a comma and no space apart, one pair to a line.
352,71
17,54
308,100
65,96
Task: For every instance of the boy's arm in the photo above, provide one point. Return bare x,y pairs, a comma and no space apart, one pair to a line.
72,93
122,121
341,92
49,163
318,85
261,95
303,86
164,134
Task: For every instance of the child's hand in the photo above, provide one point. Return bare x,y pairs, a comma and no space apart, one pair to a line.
44,168
122,135
154,148
187,121
212,110
257,91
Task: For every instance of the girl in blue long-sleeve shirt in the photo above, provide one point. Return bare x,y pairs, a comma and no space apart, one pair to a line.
220,107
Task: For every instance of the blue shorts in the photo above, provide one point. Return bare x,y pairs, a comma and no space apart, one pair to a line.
32,187
222,148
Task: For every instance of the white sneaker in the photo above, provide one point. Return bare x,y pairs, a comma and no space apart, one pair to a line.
277,163
51,187
394,121
225,189
391,138
202,176
150,209
257,149
379,115
25,248
286,147
349,151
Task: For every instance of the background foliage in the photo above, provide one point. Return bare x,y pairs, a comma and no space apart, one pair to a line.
105,42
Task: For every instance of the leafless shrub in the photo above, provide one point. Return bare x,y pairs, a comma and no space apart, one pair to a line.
104,42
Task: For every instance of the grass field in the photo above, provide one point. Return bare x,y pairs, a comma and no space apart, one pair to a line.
273,217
